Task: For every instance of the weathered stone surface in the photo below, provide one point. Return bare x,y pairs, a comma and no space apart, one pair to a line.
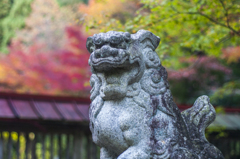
132,114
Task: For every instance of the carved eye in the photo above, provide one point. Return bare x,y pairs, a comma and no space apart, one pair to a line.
127,36
98,40
122,45
116,39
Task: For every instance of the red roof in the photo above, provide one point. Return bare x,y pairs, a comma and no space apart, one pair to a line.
40,107
54,108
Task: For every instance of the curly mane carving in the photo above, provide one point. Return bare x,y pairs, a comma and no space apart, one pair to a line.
132,114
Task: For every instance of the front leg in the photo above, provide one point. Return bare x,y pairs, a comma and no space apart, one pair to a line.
139,142
134,152
106,154
136,133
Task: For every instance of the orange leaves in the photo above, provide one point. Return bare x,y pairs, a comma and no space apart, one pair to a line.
19,75
231,54
49,55
98,9
98,13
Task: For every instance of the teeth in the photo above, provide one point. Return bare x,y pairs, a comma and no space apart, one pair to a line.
111,58
116,58
122,53
103,54
114,52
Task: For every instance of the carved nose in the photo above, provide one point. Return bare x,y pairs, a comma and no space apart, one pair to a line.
107,51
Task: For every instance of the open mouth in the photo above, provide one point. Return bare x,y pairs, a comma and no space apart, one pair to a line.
108,62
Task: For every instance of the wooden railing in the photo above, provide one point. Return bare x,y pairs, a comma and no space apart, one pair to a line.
29,145
228,146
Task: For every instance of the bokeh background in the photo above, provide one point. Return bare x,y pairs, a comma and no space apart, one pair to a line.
42,46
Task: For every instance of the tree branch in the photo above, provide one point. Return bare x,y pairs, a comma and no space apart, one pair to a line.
214,21
226,12
211,19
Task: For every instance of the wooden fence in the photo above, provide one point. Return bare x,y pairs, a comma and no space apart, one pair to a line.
228,146
34,145
30,145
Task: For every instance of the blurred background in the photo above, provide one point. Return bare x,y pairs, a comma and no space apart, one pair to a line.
44,72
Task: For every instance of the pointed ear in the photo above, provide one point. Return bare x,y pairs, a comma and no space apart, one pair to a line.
135,54
90,45
147,39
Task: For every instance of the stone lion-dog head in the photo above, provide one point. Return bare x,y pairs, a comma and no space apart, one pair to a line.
122,59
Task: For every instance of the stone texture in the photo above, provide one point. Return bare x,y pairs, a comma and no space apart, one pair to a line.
132,114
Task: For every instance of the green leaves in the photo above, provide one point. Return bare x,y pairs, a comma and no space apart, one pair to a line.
5,6
195,24
13,21
188,28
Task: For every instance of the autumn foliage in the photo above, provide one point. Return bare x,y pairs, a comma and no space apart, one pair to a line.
48,56
231,54
199,69
201,75
60,71
99,13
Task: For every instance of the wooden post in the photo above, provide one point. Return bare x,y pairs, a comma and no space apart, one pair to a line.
43,145
77,146
33,148
94,150
89,146
1,145
9,146
71,146
18,146
51,146
238,147
68,145
59,146
27,145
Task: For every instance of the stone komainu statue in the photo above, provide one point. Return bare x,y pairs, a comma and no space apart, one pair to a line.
132,114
